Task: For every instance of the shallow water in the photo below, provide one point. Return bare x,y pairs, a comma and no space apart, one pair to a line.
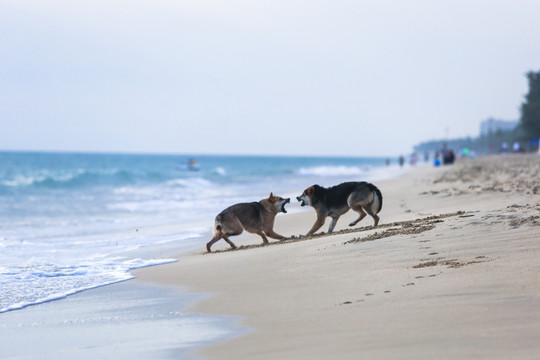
125,321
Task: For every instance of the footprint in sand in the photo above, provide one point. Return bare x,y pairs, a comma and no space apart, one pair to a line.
350,302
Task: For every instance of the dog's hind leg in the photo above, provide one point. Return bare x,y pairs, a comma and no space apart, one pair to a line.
229,228
362,213
215,239
229,242
374,216
362,203
234,227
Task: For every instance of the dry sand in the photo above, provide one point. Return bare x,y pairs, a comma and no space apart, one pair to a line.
453,271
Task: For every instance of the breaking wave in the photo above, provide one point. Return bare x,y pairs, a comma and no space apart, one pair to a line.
333,170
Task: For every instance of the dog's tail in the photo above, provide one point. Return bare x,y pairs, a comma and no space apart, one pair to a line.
377,198
217,223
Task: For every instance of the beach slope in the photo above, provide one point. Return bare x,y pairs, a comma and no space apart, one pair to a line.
453,271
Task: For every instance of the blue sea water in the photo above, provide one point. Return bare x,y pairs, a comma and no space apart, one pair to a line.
69,220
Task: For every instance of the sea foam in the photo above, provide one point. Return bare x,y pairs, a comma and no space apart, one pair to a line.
332,170
33,283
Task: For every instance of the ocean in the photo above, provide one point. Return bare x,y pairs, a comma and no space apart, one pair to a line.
73,221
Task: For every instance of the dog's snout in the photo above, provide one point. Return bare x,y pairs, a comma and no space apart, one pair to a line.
298,198
288,200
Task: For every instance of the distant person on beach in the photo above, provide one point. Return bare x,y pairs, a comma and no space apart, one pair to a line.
437,161
401,161
516,147
448,155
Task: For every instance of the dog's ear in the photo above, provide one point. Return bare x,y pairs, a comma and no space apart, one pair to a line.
271,197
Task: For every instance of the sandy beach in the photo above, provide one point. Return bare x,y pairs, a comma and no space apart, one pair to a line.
452,271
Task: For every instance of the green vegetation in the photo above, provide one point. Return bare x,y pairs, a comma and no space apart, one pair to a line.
526,133
530,109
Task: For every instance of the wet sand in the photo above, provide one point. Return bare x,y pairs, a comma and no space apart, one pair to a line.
452,271
128,320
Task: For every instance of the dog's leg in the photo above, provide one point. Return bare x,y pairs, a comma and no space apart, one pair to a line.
274,235
363,203
229,242
373,215
261,234
318,223
215,239
333,224
233,228
362,213
375,218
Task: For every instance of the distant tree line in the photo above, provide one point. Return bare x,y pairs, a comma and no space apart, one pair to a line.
530,109
527,133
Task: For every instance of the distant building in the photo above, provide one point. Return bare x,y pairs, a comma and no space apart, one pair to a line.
491,126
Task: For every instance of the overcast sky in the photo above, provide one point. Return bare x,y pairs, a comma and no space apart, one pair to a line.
356,78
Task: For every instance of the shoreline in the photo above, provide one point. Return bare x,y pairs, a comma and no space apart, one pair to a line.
464,285
126,320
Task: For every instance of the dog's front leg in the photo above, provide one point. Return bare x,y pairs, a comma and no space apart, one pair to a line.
318,223
333,224
274,235
265,239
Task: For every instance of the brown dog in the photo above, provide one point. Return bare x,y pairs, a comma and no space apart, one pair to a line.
337,200
256,217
